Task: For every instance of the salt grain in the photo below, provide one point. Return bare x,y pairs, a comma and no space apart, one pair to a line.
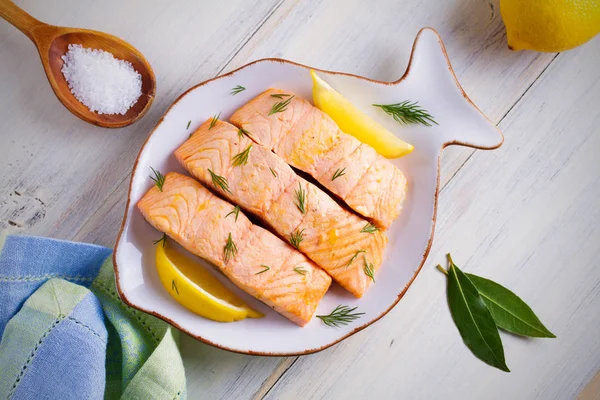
103,83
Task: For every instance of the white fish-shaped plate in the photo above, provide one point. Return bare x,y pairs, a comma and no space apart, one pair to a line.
429,79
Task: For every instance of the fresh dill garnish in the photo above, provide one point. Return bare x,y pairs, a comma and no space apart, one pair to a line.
214,120
369,269
342,315
273,172
280,96
338,172
408,112
300,198
158,178
241,158
219,182
296,238
354,257
237,89
235,212
266,268
280,106
188,125
242,132
163,239
369,228
300,270
230,249
174,286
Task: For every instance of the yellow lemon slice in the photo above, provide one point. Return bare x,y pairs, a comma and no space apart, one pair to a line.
197,289
356,123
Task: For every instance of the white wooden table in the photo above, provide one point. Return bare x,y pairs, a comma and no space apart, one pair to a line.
526,215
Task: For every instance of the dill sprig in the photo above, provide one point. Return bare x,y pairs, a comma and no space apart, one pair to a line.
158,178
213,121
296,238
280,96
408,112
241,158
338,172
273,172
219,182
369,269
369,228
341,315
280,106
230,249
237,89
354,257
300,270
163,239
188,125
242,132
300,198
235,212
266,268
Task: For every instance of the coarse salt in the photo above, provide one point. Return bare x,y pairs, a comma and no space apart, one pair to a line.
103,83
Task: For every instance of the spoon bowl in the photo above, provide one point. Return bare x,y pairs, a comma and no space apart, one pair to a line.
121,50
52,43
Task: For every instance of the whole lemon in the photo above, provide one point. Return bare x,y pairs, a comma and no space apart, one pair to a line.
550,25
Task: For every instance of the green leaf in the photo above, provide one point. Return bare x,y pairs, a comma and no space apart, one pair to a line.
508,310
473,319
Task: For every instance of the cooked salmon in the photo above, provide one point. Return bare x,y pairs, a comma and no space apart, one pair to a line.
204,224
222,157
308,139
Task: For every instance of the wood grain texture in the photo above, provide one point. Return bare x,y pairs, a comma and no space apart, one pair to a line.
69,180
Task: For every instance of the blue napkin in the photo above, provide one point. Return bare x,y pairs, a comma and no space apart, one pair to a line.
67,335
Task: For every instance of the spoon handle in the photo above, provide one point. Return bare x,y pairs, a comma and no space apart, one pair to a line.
19,18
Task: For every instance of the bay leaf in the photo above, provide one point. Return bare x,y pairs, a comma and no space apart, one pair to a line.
473,319
508,310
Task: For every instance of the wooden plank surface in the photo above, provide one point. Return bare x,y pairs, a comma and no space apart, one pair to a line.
66,179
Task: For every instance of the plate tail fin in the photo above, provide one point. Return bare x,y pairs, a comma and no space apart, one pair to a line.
459,121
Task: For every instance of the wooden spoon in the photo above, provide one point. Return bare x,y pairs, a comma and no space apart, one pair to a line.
52,42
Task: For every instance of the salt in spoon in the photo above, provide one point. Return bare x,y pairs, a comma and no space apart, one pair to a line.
52,43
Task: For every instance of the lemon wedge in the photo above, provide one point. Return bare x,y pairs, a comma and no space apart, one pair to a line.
356,123
197,289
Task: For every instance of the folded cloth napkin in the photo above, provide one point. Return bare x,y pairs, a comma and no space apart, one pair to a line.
67,335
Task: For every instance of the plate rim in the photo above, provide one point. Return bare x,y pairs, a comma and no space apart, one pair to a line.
433,220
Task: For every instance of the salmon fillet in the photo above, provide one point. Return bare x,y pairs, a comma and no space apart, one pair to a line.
308,139
265,185
202,223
